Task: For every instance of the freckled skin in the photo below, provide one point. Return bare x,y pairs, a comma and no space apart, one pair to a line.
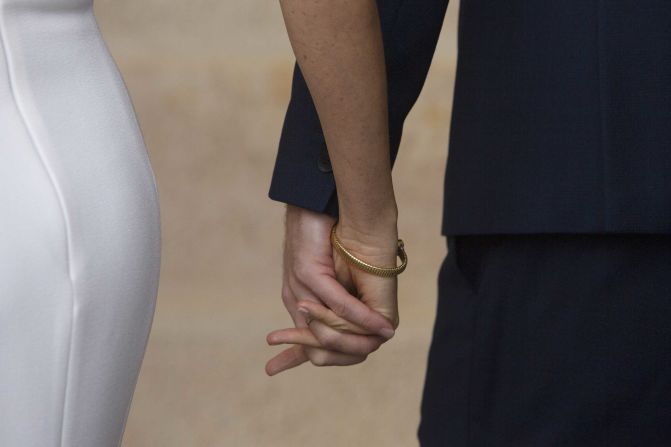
338,46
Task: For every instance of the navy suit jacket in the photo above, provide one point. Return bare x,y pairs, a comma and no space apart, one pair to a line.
561,119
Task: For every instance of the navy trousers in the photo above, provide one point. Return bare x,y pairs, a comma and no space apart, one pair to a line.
544,340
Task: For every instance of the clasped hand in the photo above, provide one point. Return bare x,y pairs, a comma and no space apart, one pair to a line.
352,312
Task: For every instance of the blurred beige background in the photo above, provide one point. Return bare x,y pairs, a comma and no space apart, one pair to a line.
210,83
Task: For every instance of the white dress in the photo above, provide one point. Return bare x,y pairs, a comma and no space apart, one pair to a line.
79,231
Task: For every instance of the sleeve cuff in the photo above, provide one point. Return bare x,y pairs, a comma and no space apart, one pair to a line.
302,174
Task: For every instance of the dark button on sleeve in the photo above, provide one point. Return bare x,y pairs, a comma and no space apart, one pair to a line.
324,162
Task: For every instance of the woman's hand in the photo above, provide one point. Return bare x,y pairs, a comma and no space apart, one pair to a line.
344,331
327,35
377,244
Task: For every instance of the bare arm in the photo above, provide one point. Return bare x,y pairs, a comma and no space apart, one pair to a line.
338,46
339,52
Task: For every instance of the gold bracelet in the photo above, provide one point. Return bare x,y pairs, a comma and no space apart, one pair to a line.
379,271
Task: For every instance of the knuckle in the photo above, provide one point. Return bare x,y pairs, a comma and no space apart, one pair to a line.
286,293
292,282
375,346
319,359
303,302
341,325
367,319
340,309
329,341
362,351
370,347
302,271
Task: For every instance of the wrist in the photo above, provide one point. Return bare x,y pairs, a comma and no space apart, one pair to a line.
368,214
376,237
306,224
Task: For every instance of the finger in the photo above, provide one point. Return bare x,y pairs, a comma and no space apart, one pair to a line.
334,295
318,311
325,357
345,343
287,359
303,336
291,294
289,300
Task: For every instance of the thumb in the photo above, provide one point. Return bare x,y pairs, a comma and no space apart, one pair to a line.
378,293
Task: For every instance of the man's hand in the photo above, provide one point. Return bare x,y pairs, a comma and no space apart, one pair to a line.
351,309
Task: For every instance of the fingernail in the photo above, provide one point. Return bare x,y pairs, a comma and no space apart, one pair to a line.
387,333
304,311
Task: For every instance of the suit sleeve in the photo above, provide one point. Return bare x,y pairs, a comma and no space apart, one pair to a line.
302,174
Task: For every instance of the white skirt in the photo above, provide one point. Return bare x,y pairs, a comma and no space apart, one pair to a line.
79,231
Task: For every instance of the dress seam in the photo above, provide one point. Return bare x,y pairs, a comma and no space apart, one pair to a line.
61,202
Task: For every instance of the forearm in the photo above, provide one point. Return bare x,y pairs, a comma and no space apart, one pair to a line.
338,46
